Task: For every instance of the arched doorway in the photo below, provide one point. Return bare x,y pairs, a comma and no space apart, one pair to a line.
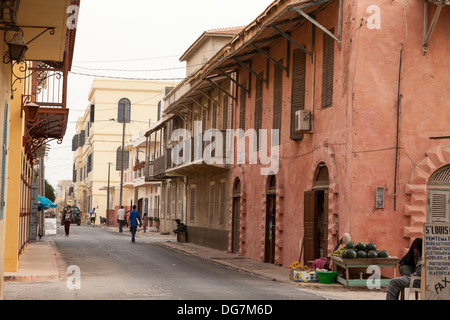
269,254
236,223
438,209
315,233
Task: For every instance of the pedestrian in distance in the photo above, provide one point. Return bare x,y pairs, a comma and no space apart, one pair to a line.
134,219
145,222
120,218
68,216
93,214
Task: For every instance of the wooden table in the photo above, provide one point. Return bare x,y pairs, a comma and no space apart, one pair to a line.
363,263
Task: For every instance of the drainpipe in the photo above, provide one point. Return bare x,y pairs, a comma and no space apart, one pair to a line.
399,99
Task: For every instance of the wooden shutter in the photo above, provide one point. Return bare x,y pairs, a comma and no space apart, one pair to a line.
277,96
214,116
225,113
325,225
439,206
92,113
222,205
242,104
258,109
212,190
204,118
308,227
192,205
298,89
327,70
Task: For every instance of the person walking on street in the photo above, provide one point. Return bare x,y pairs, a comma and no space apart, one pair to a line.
68,216
93,217
120,218
145,222
134,222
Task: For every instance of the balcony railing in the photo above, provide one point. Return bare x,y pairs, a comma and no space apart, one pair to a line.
158,168
44,101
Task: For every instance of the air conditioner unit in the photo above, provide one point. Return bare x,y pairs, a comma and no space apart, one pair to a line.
303,121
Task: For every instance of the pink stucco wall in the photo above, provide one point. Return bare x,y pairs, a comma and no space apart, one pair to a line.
356,137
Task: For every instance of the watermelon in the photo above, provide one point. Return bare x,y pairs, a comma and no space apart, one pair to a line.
371,246
361,246
383,254
361,254
351,254
350,245
372,254
344,254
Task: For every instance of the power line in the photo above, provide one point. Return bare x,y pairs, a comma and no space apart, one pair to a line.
125,78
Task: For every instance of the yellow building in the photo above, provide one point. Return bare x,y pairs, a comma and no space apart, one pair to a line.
39,38
98,141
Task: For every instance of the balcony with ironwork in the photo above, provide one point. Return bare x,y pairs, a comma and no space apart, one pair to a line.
43,102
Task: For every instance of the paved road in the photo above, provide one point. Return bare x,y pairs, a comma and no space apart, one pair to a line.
111,267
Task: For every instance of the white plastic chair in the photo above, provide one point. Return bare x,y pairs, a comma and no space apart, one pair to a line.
410,289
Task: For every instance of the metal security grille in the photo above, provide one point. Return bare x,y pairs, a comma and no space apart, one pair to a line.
443,176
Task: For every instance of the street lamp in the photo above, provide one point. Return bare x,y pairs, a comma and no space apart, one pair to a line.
17,47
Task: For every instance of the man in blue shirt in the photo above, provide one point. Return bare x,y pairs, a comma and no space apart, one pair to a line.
134,221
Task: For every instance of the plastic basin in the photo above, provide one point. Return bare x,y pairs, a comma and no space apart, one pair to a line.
327,277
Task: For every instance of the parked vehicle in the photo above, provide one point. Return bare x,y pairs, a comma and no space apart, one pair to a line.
76,212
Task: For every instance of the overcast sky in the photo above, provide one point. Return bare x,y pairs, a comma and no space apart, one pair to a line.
136,39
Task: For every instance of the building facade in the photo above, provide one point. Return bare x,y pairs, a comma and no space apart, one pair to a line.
352,103
117,111
194,189
37,56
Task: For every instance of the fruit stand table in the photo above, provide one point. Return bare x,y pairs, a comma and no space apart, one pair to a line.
362,263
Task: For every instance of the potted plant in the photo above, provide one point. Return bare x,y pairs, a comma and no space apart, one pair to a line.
150,221
156,219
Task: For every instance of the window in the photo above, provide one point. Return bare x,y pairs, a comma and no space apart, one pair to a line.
126,157
222,205
89,163
214,116
81,138
243,99
225,113
212,190
192,206
258,110
124,111
298,89
327,70
277,95
92,114
75,142
158,116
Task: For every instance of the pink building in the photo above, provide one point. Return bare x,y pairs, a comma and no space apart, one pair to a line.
376,162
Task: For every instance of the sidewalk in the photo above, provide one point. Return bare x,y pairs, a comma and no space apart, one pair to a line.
38,264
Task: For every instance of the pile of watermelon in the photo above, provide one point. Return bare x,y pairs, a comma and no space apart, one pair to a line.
363,250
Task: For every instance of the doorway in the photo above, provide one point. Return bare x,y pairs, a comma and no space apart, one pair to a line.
315,233
236,226
269,255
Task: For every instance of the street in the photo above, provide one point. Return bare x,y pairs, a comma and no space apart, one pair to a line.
99,264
